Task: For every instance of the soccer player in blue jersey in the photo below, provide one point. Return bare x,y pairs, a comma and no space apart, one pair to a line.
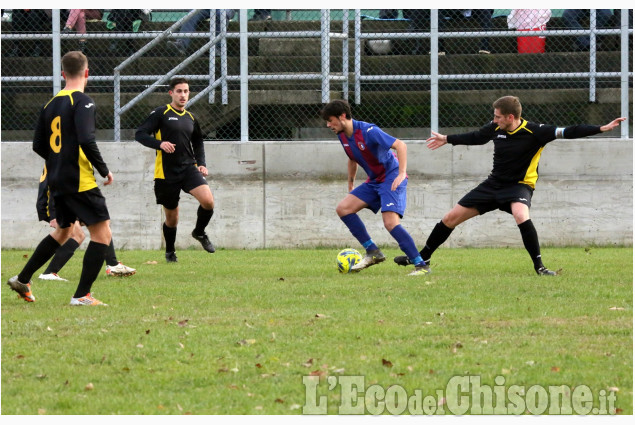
367,145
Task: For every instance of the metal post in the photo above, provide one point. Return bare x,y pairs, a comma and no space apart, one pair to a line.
345,55
358,57
223,57
434,70
57,52
244,71
212,53
117,106
624,71
592,54
325,26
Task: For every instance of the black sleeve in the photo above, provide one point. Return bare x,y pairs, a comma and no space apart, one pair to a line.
40,144
547,133
44,205
478,137
198,145
145,132
94,156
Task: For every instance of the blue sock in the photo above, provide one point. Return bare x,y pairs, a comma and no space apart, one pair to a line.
407,244
357,228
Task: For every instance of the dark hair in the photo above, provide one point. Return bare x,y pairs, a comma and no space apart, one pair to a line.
176,81
509,105
335,109
74,63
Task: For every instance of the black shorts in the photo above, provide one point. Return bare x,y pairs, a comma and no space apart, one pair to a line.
490,195
167,192
89,207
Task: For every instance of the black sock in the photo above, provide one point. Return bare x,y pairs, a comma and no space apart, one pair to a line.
44,251
169,233
530,240
93,260
111,257
203,218
439,234
62,255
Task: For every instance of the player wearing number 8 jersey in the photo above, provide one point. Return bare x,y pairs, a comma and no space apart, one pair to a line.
65,138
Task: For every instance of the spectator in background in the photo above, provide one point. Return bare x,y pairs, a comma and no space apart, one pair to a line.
123,20
261,15
30,21
181,45
572,19
77,20
420,22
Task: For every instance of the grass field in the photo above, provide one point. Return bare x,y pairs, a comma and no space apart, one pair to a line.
236,332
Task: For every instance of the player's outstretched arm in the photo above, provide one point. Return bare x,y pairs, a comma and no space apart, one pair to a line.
436,140
615,123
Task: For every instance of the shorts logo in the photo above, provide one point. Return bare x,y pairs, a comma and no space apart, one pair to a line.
522,199
173,119
391,204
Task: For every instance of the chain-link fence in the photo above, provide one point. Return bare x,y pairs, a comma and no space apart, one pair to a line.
267,77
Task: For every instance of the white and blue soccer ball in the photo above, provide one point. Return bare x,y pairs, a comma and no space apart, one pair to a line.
347,258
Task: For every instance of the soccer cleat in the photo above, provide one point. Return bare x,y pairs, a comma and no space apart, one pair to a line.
170,257
86,300
421,270
543,271
120,270
23,289
371,258
205,242
52,276
402,260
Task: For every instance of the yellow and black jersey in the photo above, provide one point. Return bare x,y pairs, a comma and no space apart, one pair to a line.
178,127
517,152
44,205
65,138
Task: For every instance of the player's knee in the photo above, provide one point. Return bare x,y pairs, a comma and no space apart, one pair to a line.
208,204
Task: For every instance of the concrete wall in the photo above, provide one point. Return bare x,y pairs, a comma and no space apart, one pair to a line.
283,194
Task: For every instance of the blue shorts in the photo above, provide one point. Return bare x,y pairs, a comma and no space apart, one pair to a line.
379,196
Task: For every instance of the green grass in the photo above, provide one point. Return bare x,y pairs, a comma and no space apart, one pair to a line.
234,333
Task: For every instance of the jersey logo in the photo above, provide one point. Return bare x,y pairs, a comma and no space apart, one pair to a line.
346,144
361,146
501,136
173,118
89,105
369,129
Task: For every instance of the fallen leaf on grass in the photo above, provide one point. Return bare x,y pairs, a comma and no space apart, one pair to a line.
150,262
19,356
258,365
183,323
246,342
89,386
318,372
555,369
616,308
386,363
147,331
320,316
294,407
308,363
139,345
279,400
614,389
48,328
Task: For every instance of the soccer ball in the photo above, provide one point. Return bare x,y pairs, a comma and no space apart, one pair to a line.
347,258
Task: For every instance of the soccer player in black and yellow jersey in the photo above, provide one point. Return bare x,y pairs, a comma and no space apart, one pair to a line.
518,144
180,164
65,138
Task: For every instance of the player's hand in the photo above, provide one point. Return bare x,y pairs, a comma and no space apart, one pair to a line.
436,140
109,179
53,223
203,170
615,123
398,180
168,147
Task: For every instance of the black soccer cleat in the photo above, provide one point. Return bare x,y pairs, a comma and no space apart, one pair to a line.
402,260
205,242
543,271
170,257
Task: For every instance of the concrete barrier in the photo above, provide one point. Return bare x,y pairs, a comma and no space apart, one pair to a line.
283,194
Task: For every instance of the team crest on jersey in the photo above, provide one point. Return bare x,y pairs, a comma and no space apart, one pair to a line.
361,146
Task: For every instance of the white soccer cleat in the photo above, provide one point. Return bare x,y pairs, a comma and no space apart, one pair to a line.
120,270
52,276
371,258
